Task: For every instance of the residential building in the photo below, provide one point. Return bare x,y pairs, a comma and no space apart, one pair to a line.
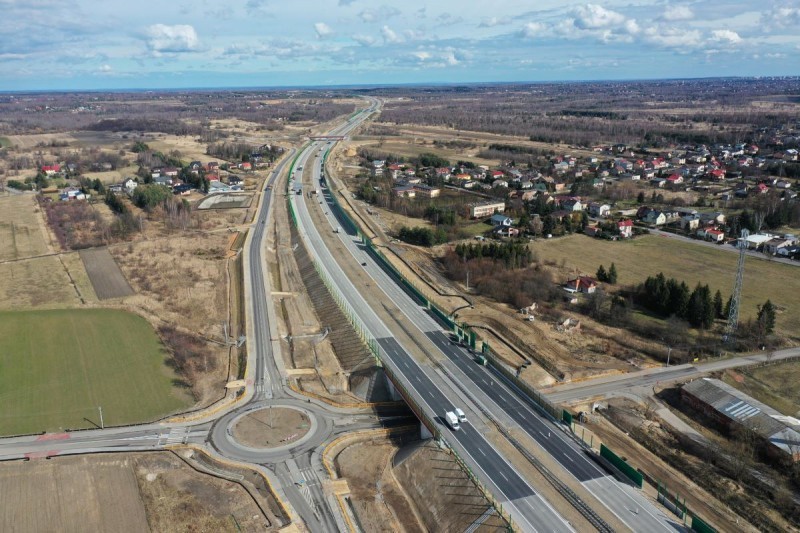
625,228
486,209
599,210
501,220
583,284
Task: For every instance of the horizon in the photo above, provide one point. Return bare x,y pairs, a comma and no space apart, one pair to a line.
410,85
253,43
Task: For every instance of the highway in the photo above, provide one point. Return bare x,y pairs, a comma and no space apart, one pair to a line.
529,510
619,498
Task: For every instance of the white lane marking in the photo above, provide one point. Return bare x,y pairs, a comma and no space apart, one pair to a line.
504,476
481,450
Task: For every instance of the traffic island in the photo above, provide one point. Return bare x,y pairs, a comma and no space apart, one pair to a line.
273,427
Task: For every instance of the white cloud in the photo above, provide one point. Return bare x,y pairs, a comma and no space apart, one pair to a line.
531,30
782,17
678,38
364,40
725,36
491,22
421,55
382,13
323,30
593,17
105,68
677,12
390,36
169,39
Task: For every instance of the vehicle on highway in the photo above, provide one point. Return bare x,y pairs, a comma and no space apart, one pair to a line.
337,229
299,191
460,414
452,420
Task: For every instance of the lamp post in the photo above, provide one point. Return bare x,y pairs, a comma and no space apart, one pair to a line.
102,425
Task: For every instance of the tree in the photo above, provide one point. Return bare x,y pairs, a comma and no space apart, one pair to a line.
602,275
612,274
766,317
548,225
718,305
640,198
700,309
727,311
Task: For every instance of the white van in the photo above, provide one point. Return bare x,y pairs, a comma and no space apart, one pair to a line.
461,416
452,420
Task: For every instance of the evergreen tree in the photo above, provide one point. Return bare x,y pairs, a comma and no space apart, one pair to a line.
640,198
766,317
678,298
612,274
727,311
718,305
601,274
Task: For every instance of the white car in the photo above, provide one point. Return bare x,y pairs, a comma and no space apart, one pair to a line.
460,414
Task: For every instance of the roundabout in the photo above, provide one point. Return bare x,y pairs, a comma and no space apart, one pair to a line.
269,427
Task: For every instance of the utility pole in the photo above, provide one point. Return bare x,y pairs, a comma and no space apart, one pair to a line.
102,425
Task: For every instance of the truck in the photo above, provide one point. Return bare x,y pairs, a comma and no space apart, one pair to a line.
461,416
452,420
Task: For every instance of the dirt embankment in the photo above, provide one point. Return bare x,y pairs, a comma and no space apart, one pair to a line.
427,491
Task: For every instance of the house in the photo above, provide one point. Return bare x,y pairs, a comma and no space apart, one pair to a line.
572,204
501,220
657,218
163,180
625,228
129,185
690,222
582,284
212,165
404,191
486,209
592,230
172,172
234,180
378,164
443,173
675,179
713,235
712,218
183,189
500,183
49,170
246,165
426,191
504,231
599,210
772,246
71,193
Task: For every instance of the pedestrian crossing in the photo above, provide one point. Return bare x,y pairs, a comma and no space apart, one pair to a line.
175,436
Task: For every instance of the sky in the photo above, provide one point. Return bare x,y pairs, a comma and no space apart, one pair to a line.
92,44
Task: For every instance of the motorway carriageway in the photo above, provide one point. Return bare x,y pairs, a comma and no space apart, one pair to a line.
621,499
530,511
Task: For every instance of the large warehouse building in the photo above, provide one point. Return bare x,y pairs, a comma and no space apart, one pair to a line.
731,407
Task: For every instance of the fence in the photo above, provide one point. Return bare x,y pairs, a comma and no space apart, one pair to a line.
619,463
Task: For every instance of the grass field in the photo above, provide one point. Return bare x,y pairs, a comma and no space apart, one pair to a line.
57,367
5,142
774,385
646,256
21,234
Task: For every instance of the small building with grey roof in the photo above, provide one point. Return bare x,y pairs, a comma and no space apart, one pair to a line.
732,408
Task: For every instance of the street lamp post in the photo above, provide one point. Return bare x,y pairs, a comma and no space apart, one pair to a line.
102,425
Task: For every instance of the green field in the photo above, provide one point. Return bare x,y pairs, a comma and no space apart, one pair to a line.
57,367
646,256
774,385
4,142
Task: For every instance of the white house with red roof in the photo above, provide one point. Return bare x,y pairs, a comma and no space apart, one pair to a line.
625,228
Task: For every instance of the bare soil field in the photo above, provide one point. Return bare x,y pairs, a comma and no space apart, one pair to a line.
121,492
106,277
98,493
21,232
268,428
